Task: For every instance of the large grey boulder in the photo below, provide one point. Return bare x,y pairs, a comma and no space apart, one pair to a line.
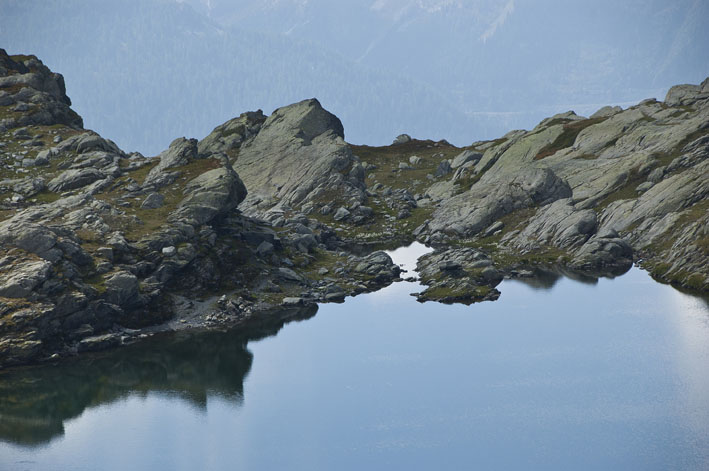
20,279
153,201
559,224
299,156
180,152
444,168
211,194
472,211
122,289
601,254
683,94
232,134
33,238
378,265
341,214
30,186
91,142
75,178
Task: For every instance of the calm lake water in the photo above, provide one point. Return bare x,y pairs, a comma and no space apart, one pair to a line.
557,374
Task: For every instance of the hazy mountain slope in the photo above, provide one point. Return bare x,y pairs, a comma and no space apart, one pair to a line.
146,71
542,56
459,70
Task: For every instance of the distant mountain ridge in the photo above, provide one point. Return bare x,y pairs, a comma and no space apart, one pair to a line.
459,70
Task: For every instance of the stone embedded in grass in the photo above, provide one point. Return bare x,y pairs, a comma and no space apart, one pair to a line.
341,214
444,168
153,201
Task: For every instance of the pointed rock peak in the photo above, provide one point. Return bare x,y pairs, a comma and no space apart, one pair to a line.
687,94
7,64
705,85
307,118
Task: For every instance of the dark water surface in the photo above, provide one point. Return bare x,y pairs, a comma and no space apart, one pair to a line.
557,374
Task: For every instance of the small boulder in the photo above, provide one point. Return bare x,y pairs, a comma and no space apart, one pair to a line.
444,168
656,175
22,279
401,139
341,214
606,111
289,275
122,288
292,301
415,160
265,249
153,201
74,178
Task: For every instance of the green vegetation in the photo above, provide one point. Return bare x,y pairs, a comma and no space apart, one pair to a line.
138,222
448,294
388,158
627,190
47,196
97,282
624,192
567,137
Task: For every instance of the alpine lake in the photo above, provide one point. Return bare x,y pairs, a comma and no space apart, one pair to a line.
558,374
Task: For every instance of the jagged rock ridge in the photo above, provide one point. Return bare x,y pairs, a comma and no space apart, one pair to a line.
101,247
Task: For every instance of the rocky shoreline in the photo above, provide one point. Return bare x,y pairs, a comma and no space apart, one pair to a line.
267,214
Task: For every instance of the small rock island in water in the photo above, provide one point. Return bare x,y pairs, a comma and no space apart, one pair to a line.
99,247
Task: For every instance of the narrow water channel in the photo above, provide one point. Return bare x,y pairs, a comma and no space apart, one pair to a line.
556,374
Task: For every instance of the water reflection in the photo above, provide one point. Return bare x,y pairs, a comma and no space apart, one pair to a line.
546,279
35,402
542,279
567,375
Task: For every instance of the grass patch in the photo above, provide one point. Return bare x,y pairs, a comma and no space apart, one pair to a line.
387,160
517,219
625,192
47,196
97,282
323,259
137,222
567,137
139,174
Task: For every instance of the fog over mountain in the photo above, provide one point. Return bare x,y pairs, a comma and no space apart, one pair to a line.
144,72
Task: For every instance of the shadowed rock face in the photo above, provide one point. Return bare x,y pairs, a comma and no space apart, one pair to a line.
36,402
36,93
58,286
98,246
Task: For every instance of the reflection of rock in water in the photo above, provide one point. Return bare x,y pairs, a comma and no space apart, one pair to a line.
35,402
542,279
546,278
